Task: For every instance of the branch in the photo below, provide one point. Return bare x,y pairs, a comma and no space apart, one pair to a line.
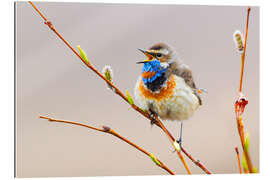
116,90
107,129
238,160
242,102
197,162
172,140
244,52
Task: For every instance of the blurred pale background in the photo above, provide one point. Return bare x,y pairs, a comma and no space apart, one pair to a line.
51,81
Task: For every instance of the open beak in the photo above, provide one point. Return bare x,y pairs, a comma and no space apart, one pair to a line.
148,55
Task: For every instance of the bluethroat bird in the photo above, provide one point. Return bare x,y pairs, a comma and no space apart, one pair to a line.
166,86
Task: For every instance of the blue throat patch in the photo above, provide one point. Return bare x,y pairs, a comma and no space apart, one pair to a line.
153,66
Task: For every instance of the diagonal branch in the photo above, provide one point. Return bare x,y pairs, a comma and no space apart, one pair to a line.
117,91
107,129
196,161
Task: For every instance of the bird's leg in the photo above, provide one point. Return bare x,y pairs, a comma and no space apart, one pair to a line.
180,138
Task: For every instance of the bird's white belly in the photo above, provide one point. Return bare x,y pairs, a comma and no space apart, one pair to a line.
179,105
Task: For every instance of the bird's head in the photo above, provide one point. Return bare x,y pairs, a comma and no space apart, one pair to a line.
161,52
159,57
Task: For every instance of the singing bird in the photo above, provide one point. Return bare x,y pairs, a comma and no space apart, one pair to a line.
166,85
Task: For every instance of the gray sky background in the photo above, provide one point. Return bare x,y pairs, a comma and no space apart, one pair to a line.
51,81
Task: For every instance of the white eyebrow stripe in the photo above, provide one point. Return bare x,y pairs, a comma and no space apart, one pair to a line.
165,51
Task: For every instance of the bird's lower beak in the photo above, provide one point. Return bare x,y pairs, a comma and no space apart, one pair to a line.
149,56
140,62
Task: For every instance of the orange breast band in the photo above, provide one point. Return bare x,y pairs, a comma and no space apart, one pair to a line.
148,74
163,93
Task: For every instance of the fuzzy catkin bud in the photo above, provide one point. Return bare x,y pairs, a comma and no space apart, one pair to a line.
108,73
238,40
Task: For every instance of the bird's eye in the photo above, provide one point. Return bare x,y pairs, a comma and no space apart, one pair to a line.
158,54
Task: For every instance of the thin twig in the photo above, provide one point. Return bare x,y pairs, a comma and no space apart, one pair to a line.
242,102
238,160
117,91
106,129
244,52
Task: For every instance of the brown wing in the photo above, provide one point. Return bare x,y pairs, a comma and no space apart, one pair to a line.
183,71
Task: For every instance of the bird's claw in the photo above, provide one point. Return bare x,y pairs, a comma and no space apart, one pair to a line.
153,120
179,142
153,117
180,138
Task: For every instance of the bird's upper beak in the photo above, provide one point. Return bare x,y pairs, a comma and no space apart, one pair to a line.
149,56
